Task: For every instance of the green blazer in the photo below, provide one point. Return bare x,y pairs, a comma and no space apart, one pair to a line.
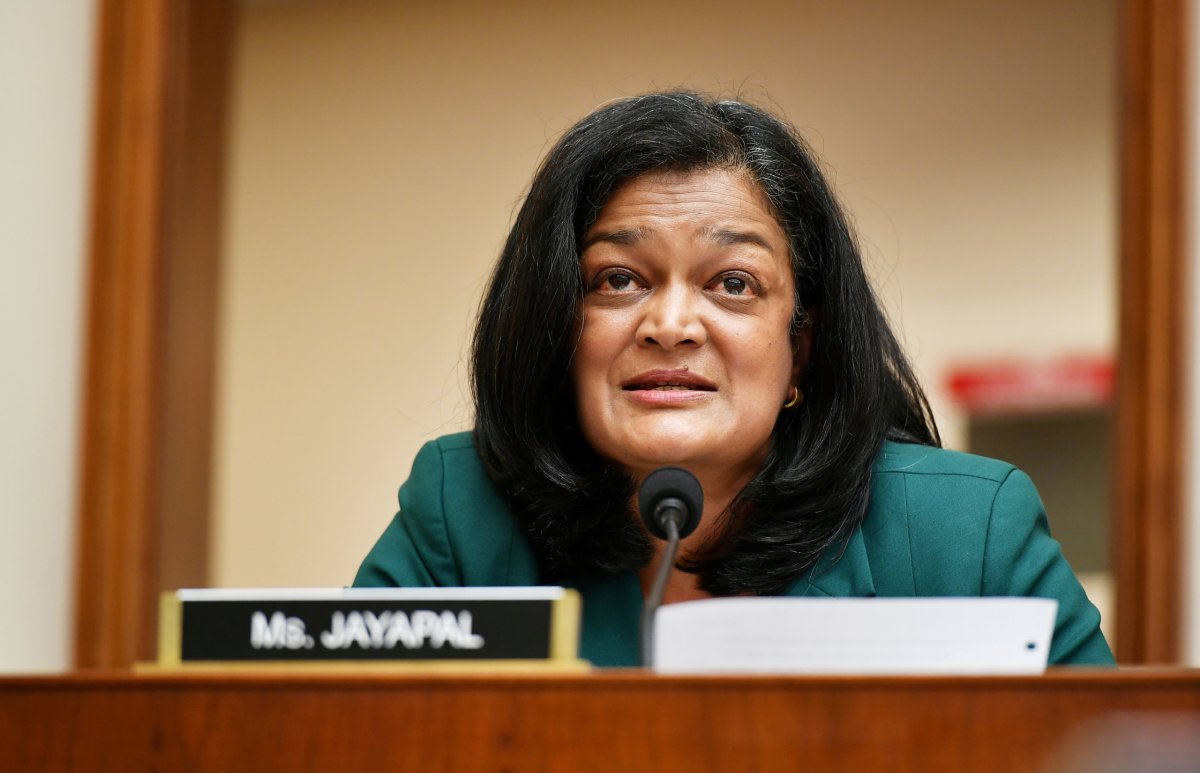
940,523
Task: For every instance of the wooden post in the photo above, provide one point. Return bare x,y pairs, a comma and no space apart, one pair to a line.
1150,419
155,199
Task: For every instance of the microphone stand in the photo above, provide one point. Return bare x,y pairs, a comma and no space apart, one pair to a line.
671,524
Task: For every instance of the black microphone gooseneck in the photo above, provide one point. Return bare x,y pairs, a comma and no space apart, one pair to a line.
670,503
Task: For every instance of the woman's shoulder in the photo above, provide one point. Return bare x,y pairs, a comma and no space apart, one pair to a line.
955,523
452,463
944,508
948,493
452,475
915,459
455,442
454,527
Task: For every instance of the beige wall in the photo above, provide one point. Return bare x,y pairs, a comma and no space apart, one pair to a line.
379,149
45,85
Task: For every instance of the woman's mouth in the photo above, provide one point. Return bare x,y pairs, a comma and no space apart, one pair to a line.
668,387
669,379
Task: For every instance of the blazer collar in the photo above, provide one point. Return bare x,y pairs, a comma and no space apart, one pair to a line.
840,577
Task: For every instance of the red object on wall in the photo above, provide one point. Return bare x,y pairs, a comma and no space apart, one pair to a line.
1033,386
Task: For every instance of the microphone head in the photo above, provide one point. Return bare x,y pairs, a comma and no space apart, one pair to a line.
671,483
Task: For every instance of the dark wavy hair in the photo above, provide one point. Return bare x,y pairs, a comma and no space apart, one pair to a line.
812,491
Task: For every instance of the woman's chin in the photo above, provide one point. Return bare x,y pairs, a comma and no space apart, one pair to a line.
641,444
647,453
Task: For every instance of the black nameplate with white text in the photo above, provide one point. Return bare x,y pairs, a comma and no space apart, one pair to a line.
354,625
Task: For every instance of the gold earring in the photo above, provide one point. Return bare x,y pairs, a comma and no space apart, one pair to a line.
796,398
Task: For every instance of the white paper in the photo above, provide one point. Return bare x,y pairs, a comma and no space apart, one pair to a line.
855,636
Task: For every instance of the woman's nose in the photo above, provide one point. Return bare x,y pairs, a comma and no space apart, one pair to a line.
672,318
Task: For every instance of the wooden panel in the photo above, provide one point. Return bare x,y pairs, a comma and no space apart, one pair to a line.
120,421
148,371
601,723
1149,427
196,128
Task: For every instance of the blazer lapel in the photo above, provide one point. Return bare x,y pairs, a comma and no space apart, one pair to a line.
842,577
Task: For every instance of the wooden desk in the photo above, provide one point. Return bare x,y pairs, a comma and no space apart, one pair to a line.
607,722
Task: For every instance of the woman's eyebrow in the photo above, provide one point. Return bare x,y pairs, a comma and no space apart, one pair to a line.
727,237
624,237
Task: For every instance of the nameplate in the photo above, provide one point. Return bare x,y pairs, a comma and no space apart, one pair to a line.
368,625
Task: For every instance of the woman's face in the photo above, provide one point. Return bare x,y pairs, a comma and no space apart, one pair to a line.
685,356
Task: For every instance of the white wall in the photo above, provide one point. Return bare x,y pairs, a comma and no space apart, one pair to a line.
378,150
45,89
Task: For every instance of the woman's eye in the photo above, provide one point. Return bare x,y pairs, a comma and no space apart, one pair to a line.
615,282
734,284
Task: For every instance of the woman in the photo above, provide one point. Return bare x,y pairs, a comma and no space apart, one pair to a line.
682,288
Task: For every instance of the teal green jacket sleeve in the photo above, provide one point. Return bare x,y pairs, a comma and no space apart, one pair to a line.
481,545
1020,558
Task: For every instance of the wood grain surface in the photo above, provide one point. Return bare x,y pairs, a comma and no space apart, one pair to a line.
156,187
1152,372
613,721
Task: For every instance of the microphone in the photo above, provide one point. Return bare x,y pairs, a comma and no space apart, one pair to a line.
670,503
